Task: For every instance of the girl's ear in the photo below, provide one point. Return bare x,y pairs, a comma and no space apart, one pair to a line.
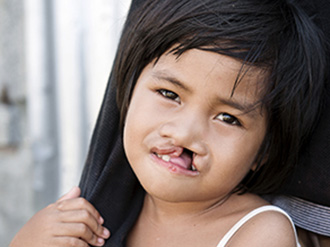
254,167
262,162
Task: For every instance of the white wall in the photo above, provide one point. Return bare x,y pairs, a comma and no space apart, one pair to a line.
86,36
57,55
79,50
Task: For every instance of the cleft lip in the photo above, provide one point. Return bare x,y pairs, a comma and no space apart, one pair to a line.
177,156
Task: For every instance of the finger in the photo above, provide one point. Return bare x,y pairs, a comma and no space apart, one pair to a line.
79,230
77,204
69,242
73,193
85,217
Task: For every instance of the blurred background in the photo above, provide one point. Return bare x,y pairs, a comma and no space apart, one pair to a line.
55,58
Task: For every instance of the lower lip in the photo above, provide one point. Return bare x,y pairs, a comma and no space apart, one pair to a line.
173,168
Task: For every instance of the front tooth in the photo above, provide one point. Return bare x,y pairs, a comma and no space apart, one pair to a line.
166,158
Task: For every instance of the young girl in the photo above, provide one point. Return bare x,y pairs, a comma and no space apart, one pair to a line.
215,99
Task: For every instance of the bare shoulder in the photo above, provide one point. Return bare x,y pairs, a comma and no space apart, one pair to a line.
269,228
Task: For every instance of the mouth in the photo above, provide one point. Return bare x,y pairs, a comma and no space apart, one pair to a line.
181,160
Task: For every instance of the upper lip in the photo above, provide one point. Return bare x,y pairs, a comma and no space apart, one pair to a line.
172,151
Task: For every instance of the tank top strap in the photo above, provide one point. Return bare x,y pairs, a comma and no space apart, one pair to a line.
250,215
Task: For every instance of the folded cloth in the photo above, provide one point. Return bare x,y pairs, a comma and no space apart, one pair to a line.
305,214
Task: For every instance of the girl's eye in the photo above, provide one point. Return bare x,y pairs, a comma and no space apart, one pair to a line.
169,95
227,118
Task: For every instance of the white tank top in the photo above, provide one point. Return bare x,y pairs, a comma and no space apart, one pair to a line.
247,217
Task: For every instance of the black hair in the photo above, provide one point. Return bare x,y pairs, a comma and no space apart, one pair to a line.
275,35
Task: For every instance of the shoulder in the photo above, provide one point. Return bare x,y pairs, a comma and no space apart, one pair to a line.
267,228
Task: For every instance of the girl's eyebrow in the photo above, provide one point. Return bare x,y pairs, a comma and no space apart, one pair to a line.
247,108
165,76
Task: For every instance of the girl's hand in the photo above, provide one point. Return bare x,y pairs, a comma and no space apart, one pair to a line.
71,221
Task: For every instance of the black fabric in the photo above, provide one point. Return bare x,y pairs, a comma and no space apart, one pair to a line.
107,180
110,185
311,180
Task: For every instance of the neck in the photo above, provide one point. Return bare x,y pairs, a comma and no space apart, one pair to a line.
164,212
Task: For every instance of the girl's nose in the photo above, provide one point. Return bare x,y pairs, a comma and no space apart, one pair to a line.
186,131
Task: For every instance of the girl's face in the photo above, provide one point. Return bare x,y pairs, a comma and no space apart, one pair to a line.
187,138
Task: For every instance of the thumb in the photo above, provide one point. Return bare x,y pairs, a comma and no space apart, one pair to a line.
73,193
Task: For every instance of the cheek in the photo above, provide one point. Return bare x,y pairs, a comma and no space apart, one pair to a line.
237,153
136,127
130,148
253,154
130,132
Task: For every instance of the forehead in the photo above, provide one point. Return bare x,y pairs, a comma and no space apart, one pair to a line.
205,68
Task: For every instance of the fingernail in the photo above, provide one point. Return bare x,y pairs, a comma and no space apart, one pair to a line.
101,220
106,233
100,240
